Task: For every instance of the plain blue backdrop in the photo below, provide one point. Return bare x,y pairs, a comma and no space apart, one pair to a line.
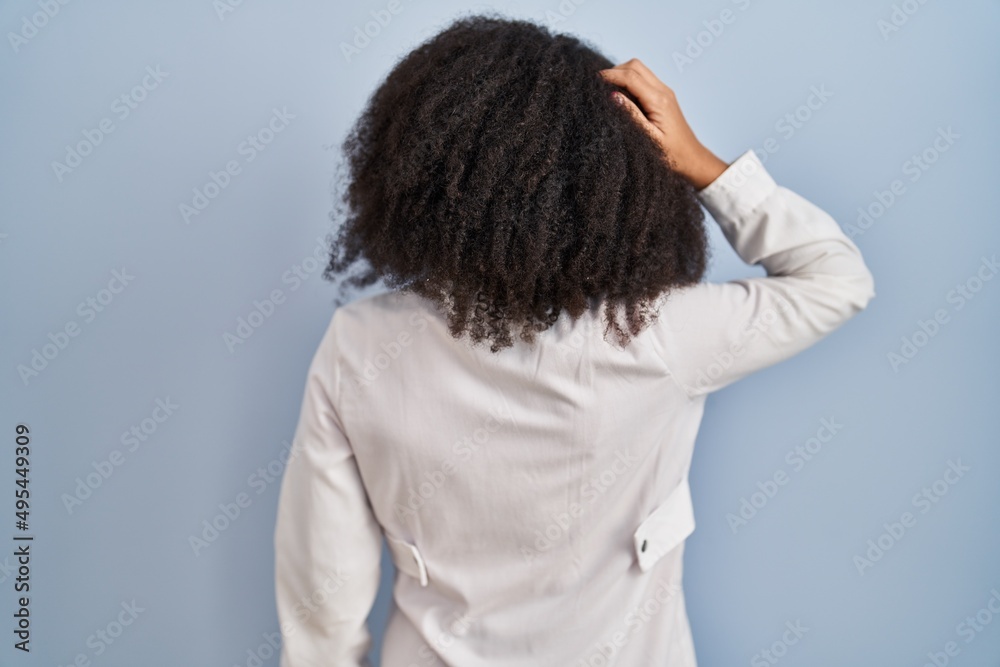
117,114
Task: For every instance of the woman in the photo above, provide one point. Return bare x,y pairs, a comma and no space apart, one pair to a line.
517,415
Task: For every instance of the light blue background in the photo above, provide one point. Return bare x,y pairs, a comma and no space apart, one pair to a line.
162,336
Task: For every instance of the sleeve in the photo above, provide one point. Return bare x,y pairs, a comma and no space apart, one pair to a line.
713,334
327,541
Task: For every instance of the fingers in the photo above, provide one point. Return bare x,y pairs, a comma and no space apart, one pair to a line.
632,81
637,115
657,111
639,80
643,71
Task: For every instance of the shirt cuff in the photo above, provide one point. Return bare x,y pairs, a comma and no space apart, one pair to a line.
740,189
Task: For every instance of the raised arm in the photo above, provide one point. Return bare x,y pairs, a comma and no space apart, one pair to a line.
713,334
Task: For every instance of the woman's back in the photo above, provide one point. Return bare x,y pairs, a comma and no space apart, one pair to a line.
535,499
514,483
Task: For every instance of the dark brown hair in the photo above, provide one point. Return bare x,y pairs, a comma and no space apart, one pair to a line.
492,173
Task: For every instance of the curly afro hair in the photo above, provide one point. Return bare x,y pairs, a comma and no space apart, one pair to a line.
493,173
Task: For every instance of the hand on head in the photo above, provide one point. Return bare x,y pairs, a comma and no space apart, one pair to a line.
660,115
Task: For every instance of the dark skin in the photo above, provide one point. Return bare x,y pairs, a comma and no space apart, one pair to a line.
660,115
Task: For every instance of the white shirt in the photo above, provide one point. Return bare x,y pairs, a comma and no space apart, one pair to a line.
535,501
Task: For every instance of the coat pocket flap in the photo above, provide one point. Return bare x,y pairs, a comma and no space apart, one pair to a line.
407,558
666,528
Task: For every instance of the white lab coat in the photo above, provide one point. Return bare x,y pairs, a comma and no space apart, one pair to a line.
535,501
